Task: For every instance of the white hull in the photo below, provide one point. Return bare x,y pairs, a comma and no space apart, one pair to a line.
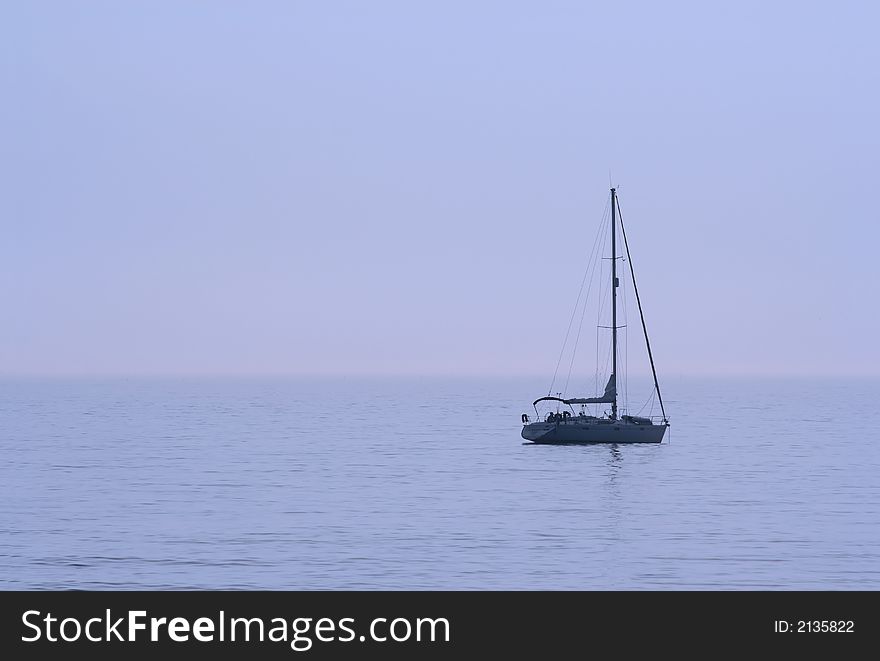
592,431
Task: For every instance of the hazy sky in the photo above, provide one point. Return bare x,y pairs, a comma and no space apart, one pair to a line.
414,187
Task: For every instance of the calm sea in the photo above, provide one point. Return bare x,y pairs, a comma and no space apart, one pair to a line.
426,484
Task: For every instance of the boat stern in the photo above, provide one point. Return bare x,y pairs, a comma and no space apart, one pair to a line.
535,431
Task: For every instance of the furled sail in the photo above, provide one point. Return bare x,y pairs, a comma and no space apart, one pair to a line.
606,398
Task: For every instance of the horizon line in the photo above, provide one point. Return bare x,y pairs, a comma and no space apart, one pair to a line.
420,374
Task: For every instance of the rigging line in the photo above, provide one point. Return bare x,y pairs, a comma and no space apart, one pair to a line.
596,363
625,347
577,302
641,313
647,401
598,314
605,369
596,380
578,336
624,354
601,301
580,324
602,367
626,338
595,260
599,309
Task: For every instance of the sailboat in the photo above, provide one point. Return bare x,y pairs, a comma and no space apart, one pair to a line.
568,426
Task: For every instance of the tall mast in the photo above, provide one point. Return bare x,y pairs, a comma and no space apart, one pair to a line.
614,298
